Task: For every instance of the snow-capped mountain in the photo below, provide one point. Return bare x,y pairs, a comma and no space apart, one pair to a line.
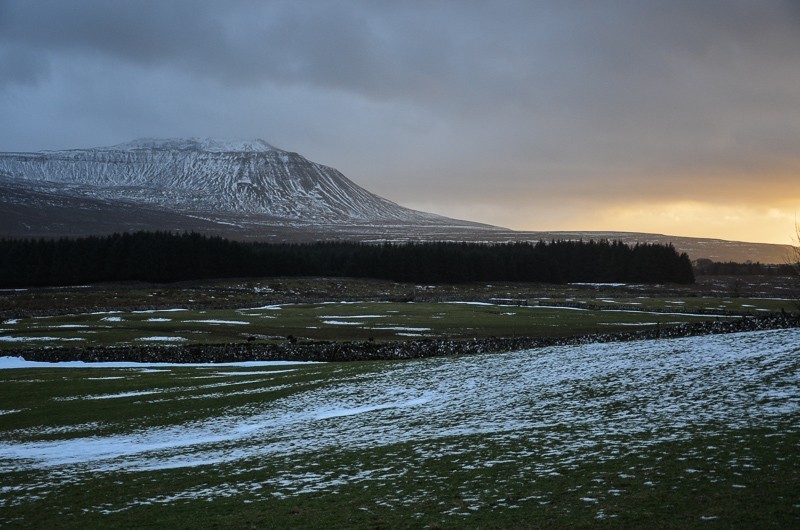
203,175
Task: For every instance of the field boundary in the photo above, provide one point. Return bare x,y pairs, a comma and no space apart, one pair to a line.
345,351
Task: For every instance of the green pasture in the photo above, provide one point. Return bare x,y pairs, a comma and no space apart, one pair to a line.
328,322
687,304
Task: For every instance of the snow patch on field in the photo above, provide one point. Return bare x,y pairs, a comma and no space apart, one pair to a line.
627,323
213,321
253,372
9,338
148,311
161,338
353,316
595,284
558,307
19,362
400,328
263,307
338,413
639,312
110,396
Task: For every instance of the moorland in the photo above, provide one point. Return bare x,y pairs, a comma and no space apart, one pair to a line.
693,431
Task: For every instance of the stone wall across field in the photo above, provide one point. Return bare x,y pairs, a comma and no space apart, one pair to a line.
366,351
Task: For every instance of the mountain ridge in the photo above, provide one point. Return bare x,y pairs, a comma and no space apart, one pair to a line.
197,143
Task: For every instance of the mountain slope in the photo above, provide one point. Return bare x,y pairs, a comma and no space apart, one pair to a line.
206,175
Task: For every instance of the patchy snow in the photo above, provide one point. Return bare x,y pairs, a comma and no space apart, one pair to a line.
401,328
639,312
19,362
213,321
627,323
546,411
715,381
114,396
599,284
342,323
147,311
113,319
9,338
158,319
352,316
338,413
211,145
557,307
253,372
11,321
161,338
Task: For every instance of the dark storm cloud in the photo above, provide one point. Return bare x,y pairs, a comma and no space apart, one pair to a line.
567,97
566,56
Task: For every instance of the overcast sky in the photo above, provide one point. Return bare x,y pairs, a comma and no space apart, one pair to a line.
677,117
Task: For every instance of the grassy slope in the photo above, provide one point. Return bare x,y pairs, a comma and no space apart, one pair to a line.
573,474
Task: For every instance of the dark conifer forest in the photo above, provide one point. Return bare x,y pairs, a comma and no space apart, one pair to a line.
166,257
706,267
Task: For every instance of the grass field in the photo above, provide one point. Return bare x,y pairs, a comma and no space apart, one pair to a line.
313,309
697,432
327,321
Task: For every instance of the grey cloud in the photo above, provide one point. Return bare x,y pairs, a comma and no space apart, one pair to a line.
21,67
548,54
562,95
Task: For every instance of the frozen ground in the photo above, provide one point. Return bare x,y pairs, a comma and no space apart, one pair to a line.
517,417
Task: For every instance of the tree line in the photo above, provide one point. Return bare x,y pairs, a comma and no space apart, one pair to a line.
707,267
167,257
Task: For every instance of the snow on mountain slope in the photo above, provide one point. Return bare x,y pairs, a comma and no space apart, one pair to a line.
210,175
197,144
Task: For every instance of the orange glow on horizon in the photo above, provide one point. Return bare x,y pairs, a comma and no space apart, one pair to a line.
774,225
694,219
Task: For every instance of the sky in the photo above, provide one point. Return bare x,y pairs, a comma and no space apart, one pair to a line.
678,117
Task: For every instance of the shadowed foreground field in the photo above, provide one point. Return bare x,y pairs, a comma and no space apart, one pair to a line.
694,432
